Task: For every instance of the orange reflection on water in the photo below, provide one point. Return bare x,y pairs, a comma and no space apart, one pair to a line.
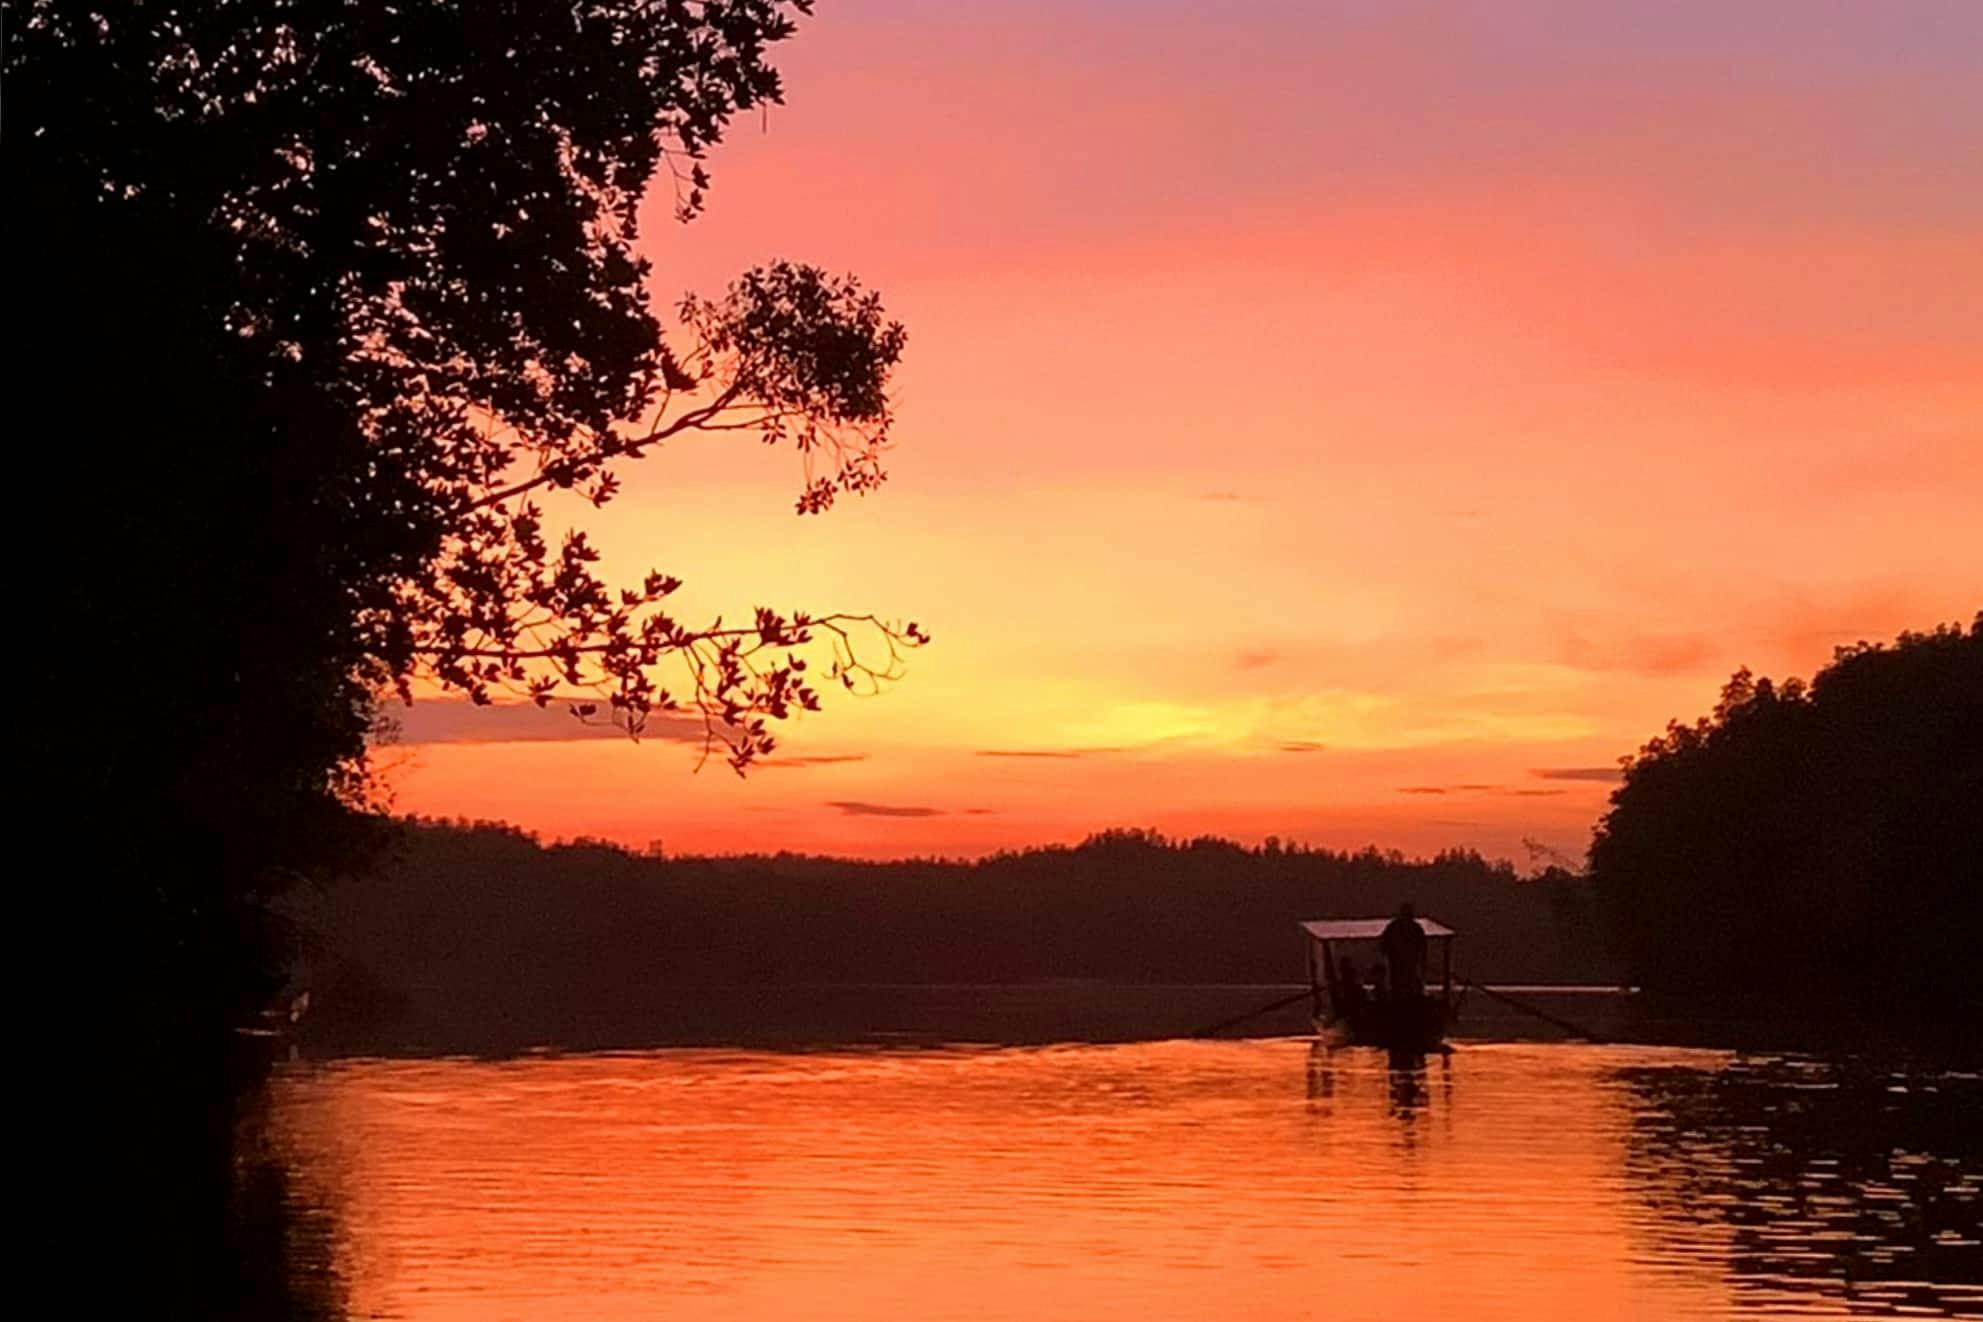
1173,1180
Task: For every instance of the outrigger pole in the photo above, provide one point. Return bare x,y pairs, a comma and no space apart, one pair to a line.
1544,1015
1213,1030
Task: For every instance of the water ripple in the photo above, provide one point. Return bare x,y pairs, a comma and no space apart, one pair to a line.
1156,1180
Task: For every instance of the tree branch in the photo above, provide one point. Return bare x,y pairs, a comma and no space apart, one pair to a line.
567,470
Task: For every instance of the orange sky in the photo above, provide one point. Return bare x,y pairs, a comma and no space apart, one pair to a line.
1350,421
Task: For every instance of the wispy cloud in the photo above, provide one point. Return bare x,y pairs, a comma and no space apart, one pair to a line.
1579,773
1224,497
1060,753
1303,746
1657,654
1255,658
1515,792
856,808
779,762
454,721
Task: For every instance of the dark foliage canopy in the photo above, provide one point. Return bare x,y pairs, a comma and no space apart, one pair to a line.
1807,842
414,226
329,316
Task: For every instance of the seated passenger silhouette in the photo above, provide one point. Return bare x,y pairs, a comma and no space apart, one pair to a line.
1350,985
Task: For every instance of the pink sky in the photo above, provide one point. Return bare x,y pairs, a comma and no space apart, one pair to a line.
1354,422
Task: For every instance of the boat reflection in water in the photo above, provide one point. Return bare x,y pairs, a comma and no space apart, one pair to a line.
1413,1078
1179,1180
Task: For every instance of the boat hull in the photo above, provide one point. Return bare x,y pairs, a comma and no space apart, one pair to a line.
1410,1027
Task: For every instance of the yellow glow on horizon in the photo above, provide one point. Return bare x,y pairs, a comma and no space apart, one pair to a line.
1459,414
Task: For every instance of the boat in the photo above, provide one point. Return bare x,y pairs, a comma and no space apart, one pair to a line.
1350,1015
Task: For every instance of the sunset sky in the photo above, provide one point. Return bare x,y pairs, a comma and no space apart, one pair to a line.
1357,422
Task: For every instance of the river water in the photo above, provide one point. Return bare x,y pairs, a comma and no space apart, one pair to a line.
1157,1180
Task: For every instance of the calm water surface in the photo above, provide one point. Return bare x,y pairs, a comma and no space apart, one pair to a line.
1162,1180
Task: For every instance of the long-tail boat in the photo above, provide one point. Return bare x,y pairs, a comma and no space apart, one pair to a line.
1405,1018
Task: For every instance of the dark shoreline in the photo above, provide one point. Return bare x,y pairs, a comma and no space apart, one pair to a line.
825,1016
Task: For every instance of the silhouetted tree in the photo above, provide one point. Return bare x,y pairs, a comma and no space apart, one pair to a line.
1811,841
334,296
317,309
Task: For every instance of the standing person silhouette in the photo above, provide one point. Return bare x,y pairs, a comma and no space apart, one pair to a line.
1403,944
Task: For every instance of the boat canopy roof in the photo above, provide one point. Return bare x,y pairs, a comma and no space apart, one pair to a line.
1367,929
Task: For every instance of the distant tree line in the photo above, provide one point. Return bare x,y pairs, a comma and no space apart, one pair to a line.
1811,843
480,933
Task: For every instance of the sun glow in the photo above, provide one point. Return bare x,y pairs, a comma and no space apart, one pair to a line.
1456,413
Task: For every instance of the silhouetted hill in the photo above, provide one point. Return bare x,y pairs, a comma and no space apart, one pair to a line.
478,936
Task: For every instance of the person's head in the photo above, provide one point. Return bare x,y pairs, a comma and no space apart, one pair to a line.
1405,910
